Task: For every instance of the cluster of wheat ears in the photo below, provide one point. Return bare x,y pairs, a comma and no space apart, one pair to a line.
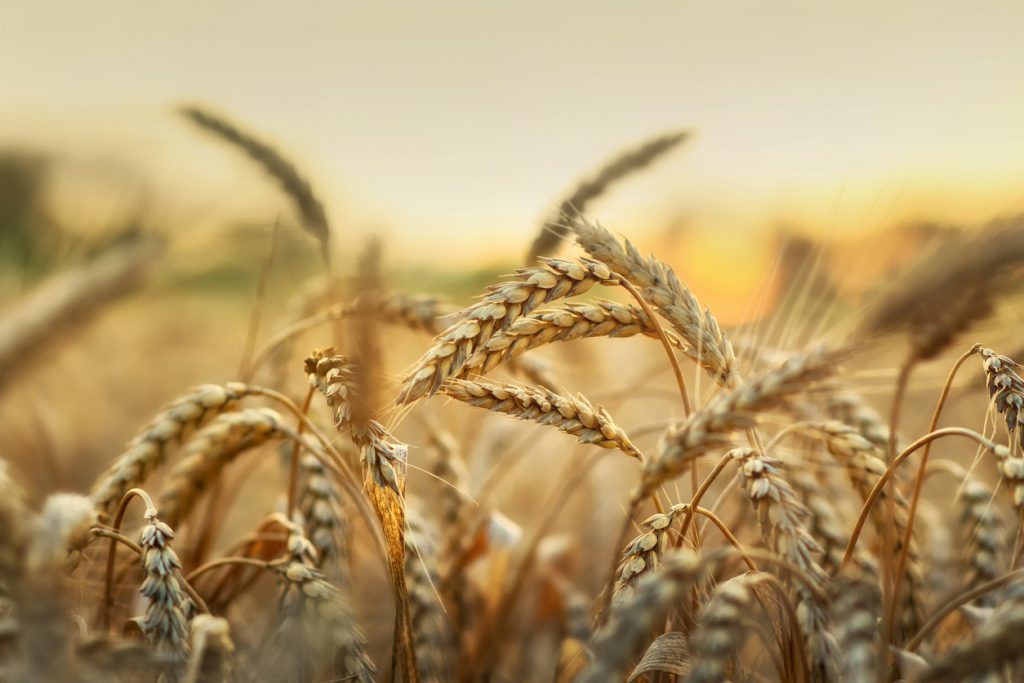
819,561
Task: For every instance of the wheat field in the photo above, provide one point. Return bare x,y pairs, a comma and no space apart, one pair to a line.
570,472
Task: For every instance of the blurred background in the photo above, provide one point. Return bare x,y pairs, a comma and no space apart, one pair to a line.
844,134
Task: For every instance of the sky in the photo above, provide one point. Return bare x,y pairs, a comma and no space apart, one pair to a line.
452,126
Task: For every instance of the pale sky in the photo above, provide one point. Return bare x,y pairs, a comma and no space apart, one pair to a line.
461,123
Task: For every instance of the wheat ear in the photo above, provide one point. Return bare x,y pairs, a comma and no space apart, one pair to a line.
209,452
632,621
298,189
576,416
705,342
502,305
69,299
572,321
784,526
629,161
165,623
149,448
856,604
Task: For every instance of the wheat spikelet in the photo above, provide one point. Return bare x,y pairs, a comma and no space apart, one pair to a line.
856,602
213,652
633,159
576,416
784,525
705,342
713,426
721,630
310,210
210,451
573,321
69,299
632,621
149,448
165,623
642,555
502,305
